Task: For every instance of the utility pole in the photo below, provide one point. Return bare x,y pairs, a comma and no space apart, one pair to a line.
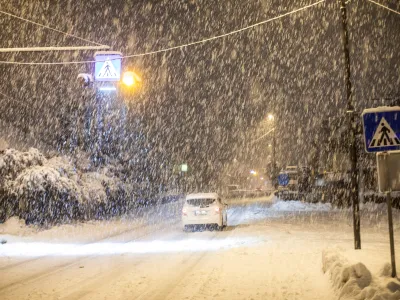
351,131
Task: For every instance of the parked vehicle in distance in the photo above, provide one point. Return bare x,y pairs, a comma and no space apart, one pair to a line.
204,210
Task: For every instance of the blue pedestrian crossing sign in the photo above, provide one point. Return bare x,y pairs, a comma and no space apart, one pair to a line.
283,179
381,129
107,66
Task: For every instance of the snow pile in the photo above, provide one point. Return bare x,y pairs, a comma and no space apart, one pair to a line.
300,206
355,281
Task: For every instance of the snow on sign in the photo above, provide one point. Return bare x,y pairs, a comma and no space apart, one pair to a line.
107,66
381,129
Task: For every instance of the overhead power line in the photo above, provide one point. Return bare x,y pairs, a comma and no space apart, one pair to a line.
229,33
175,47
50,28
392,10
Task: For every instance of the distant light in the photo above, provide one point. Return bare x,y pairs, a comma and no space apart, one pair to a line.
269,145
253,172
270,117
107,88
262,178
184,167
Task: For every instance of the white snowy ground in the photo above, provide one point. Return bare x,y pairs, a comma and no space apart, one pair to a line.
270,250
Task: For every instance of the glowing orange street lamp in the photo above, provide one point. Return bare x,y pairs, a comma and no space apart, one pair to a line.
130,78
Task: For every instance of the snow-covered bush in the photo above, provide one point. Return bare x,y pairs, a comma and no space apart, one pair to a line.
104,194
54,190
12,162
44,194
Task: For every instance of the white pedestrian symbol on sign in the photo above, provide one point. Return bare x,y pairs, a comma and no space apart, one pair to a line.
384,136
107,71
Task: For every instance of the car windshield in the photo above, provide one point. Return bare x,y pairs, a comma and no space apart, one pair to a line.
200,202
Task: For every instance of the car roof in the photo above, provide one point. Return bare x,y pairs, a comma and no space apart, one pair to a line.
202,196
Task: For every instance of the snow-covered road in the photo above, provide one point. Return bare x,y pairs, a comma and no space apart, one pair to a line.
269,251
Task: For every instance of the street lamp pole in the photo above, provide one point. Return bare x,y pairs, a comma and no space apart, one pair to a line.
274,159
351,126
271,118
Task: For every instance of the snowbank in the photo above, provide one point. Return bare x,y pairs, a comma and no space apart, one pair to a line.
293,206
267,199
355,281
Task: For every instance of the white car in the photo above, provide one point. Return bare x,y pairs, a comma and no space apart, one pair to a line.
204,209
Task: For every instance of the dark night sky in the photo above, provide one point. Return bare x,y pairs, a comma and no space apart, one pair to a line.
217,91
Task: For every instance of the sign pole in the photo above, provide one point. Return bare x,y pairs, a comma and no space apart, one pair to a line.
390,220
390,217
382,135
351,131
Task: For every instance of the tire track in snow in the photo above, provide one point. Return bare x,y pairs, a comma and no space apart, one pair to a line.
89,285
208,286
160,293
174,283
61,267
124,278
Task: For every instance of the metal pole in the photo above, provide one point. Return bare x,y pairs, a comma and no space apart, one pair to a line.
274,158
390,221
390,215
351,127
